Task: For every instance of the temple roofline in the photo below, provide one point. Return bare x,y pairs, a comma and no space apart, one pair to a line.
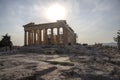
32,23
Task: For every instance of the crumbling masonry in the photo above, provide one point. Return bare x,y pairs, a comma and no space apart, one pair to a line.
49,33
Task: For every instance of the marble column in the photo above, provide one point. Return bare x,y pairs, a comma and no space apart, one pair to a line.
34,36
28,37
58,35
52,40
65,36
25,38
40,42
45,36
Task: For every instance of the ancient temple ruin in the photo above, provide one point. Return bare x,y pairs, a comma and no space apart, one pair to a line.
49,33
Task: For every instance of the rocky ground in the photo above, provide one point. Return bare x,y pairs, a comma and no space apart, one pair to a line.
60,63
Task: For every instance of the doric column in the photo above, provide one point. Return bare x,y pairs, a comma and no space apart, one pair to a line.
34,36
25,38
40,37
65,36
52,41
45,36
58,36
28,37
37,36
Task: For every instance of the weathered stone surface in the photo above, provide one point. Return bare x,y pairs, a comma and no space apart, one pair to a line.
65,62
44,34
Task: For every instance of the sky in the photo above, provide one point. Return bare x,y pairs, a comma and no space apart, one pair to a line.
94,21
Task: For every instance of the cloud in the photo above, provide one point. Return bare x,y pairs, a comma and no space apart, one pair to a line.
89,19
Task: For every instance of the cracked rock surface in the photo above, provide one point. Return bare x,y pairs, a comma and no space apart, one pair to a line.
61,63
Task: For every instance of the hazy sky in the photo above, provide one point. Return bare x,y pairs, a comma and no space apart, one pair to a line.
92,20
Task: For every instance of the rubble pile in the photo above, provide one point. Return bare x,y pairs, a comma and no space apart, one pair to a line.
48,49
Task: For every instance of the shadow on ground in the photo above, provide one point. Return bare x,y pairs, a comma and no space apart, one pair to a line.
37,75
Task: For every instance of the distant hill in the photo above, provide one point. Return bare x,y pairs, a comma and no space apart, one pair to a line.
110,44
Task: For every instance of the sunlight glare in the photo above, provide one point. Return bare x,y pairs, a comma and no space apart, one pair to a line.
56,12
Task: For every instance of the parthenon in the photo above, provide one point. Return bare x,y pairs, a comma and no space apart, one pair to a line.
49,33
